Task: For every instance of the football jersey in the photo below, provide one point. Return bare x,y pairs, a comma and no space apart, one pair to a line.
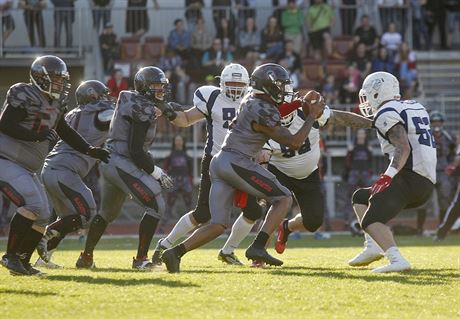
131,107
83,120
219,111
299,163
241,137
415,119
41,114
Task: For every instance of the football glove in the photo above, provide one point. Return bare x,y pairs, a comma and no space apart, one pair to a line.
381,184
165,181
322,120
99,153
167,110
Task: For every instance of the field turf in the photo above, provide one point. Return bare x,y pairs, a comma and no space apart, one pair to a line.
315,282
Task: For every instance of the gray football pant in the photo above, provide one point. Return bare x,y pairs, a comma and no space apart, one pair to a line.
232,171
123,177
68,194
23,189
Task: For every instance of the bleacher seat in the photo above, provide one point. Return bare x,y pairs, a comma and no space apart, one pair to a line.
342,45
130,48
153,48
336,68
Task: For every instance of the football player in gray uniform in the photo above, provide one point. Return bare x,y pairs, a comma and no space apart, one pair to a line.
403,129
65,168
233,167
132,169
32,118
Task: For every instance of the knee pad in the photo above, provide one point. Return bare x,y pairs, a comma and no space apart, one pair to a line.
202,214
361,196
253,211
160,207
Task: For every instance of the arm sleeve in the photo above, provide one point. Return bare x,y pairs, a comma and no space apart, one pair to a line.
72,137
9,124
136,146
386,119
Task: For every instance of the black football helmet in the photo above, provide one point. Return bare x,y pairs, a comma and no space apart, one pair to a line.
91,91
49,74
272,79
146,78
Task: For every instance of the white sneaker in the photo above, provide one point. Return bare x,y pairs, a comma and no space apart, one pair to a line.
371,253
50,265
397,262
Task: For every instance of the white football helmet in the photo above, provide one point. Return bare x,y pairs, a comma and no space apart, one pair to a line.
234,73
288,119
377,88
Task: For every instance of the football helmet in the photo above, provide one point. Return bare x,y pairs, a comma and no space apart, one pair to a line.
378,87
49,74
91,91
288,119
436,116
151,82
272,79
234,73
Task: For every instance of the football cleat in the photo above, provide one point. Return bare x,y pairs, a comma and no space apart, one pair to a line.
282,238
257,264
32,271
156,258
85,261
370,254
50,265
397,263
142,264
261,255
13,263
229,259
171,260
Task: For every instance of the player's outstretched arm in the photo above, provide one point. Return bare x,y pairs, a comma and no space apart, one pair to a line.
398,138
173,112
349,119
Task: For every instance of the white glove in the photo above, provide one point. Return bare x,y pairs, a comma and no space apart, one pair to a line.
165,181
322,120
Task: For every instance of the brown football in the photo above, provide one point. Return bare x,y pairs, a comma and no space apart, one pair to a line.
310,98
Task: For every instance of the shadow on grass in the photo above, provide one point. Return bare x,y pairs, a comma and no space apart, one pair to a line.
27,292
120,282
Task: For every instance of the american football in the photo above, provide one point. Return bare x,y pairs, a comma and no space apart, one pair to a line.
229,159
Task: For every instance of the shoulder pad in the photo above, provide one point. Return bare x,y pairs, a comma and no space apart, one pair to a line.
18,95
203,92
105,115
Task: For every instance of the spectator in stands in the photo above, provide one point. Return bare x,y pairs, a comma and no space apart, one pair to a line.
329,90
358,170
453,19
367,35
407,70
249,40
33,19
171,63
110,48
419,28
216,58
292,22
179,39
352,84
245,9
226,34
7,19
383,62
179,166
222,9
193,13
362,61
101,12
272,39
319,20
435,15
391,40
201,40
117,83
137,19
64,14
391,11
348,16
293,62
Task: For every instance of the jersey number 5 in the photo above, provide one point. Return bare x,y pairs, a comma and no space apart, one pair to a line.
228,114
287,152
422,128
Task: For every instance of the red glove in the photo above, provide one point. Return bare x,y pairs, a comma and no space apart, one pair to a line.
240,199
288,108
381,184
450,169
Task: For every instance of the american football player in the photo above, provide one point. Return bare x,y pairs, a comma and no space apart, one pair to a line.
218,105
403,129
132,169
65,168
31,119
233,167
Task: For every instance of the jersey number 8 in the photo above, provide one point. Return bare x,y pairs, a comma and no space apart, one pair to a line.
287,152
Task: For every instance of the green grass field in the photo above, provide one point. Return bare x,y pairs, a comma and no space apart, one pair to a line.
315,282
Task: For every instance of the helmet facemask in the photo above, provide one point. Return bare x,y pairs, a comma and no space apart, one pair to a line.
233,91
234,81
279,90
55,85
287,120
157,91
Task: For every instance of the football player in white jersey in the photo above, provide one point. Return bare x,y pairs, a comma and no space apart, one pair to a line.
218,105
403,129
